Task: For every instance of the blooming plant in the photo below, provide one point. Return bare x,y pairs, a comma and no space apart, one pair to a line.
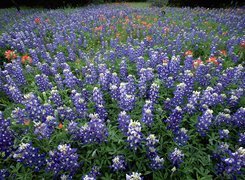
117,92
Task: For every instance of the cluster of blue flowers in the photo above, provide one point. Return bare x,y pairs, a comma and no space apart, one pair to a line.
87,92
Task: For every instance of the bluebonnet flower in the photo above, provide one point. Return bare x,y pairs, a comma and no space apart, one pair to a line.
175,119
118,163
192,104
127,101
65,177
33,107
44,68
230,163
163,71
130,86
235,96
29,156
204,122
156,161
224,133
6,136
235,162
241,139
47,110
238,118
123,70
147,73
59,81
115,79
151,142
16,72
72,55
43,82
218,88
210,98
123,120
79,103
64,159
134,134
93,174
188,79
93,132
90,74
98,96
201,75
154,92
114,91
19,115
140,63
45,129
101,111
55,97
181,137
13,93
4,174
176,157
174,65
147,114
70,80
223,118
142,86
188,63
179,95
134,176
170,82
66,113
103,81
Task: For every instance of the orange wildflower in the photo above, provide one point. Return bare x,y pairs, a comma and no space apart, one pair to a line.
25,59
144,23
9,54
37,20
148,38
197,63
99,28
188,53
213,60
223,52
60,126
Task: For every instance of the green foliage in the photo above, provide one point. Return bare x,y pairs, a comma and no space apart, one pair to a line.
158,3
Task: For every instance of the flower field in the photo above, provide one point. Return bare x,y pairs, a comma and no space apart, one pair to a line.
120,92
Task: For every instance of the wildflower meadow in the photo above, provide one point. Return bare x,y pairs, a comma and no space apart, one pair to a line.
117,91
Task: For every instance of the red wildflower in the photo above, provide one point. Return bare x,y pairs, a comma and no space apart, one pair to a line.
99,28
213,60
148,38
25,59
9,54
60,126
188,53
37,20
197,63
223,52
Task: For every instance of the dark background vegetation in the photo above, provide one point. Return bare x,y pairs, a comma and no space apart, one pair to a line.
74,3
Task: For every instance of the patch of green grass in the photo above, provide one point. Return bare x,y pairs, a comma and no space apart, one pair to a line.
139,4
